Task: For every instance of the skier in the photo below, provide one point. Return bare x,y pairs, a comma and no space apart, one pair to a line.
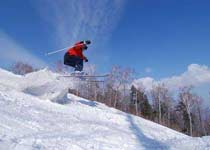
74,56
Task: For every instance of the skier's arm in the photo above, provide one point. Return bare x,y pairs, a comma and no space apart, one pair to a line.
78,43
85,58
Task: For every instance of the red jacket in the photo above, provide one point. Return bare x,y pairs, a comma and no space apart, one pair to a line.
77,50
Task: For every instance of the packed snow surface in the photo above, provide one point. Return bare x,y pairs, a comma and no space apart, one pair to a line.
32,119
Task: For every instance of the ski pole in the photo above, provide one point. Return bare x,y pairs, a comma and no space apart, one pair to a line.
56,51
59,50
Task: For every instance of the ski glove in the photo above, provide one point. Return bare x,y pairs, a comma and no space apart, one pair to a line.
86,60
87,42
85,47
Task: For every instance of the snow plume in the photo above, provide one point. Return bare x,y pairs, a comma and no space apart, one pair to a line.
12,52
90,69
81,19
195,75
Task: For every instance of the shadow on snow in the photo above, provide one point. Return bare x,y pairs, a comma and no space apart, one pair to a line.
89,103
143,140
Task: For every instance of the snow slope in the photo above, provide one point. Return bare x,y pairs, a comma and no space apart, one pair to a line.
31,121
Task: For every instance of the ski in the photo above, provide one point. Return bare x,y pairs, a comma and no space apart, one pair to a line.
94,81
85,76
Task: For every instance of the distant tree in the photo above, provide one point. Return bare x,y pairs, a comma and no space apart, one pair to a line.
185,122
146,108
140,101
108,94
176,121
134,99
161,101
93,90
22,68
118,82
207,123
186,105
166,105
200,114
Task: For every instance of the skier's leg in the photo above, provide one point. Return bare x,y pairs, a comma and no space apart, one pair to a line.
79,64
69,60
79,68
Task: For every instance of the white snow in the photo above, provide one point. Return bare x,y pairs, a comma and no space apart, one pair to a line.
30,119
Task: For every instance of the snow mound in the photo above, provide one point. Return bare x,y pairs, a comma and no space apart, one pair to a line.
30,120
44,84
8,79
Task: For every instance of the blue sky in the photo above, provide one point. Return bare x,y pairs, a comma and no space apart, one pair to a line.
158,38
164,35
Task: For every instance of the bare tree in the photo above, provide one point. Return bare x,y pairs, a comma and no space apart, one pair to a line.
207,122
140,100
188,100
166,105
134,98
22,68
199,109
156,97
119,80
162,103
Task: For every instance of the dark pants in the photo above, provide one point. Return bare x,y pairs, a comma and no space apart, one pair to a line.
73,61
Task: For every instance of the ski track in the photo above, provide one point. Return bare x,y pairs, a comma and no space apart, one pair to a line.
32,120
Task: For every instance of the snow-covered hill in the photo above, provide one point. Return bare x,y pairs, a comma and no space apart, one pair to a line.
30,119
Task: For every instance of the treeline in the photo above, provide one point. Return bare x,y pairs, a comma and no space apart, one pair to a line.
22,68
183,112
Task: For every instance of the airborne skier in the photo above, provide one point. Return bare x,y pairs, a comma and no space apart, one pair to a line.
74,56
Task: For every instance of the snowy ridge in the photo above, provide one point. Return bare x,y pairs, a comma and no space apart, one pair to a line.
30,120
